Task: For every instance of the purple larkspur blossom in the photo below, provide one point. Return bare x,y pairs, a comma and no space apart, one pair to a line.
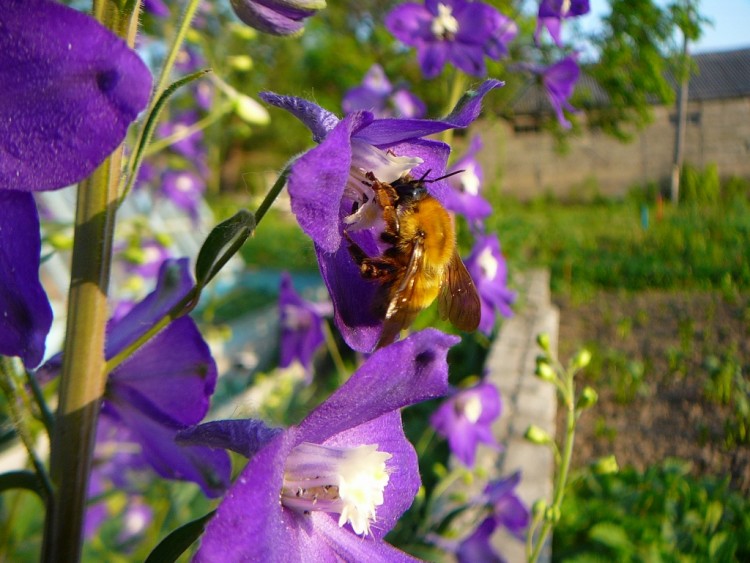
330,488
301,326
329,192
458,31
488,269
378,95
69,107
465,198
163,387
156,7
559,82
185,189
277,17
25,312
552,12
476,547
465,420
508,509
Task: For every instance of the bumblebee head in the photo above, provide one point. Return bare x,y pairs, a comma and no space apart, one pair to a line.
413,189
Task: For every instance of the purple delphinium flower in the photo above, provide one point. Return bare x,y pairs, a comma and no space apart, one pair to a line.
552,12
69,107
156,7
465,198
163,387
277,17
25,312
330,488
185,189
301,326
488,269
459,31
466,418
559,81
507,509
377,94
330,193
476,547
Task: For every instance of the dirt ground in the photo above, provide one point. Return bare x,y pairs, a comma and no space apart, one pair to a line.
654,353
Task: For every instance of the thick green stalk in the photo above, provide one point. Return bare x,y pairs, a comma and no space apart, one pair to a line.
83,376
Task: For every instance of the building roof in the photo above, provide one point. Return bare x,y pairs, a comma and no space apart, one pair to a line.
718,75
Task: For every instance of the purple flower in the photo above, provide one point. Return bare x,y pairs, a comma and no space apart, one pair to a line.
465,197
476,548
156,7
69,89
145,258
488,269
378,95
507,509
163,387
277,17
301,326
190,146
185,189
559,81
329,192
332,487
25,312
459,31
466,418
551,14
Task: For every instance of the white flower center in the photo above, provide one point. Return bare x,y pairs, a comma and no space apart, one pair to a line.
488,263
470,407
469,180
565,7
345,481
444,25
385,166
184,183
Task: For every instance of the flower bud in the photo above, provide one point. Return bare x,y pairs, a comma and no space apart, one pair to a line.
587,398
250,111
605,465
544,371
543,341
537,435
582,359
277,17
552,514
539,506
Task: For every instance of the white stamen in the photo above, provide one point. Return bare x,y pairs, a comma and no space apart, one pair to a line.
470,406
184,183
565,8
469,180
444,25
345,481
488,263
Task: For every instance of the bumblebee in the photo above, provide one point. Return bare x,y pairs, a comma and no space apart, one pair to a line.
420,265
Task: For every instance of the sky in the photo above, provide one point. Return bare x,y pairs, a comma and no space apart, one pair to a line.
730,30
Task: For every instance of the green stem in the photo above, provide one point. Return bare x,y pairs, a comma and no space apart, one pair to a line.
564,467
185,19
47,418
272,194
458,86
212,117
83,377
333,349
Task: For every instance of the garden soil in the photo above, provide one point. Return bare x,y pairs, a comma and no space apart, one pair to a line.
654,354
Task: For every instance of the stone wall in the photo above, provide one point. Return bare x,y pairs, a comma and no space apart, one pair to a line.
528,164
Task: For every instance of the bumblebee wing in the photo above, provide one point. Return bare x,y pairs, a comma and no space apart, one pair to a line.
459,301
400,314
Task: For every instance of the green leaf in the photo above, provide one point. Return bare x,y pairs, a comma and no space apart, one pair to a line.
177,542
221,244
21,480
722,547
612,536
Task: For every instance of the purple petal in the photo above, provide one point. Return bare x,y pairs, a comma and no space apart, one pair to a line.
469,58
476,548
317,181
209,468
432,57
318,120
403,468
407,105
172,376
387,132
250,523
246,436
409,22
273,17
301,327
406,372
25,312
79,89
350,547
175,281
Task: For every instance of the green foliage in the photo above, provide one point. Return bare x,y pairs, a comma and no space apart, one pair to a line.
603,245
662,514
700,186
727,385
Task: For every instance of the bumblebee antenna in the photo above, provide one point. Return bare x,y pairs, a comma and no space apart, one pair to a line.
424,176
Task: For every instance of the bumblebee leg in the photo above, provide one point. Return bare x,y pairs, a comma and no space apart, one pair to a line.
371,268
386,197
